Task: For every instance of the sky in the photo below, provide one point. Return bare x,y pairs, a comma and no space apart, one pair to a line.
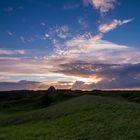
69,44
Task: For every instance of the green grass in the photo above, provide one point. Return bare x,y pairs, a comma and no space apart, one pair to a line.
85,117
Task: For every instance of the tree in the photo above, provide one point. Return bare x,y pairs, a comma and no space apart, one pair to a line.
51,89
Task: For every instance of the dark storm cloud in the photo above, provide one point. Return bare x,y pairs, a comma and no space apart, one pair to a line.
113,75
82,68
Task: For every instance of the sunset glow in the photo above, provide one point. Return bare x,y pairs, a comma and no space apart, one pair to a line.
72,44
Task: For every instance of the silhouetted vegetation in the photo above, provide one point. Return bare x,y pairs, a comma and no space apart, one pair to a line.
45,100
51,90
33,99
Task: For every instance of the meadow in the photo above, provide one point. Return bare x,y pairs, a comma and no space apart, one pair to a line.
71,115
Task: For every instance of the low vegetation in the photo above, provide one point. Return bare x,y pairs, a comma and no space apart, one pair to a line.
70,115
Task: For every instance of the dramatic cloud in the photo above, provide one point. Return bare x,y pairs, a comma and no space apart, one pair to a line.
79,85
86,58
113,76
33,85
66,54
102,5
98,62
109,76
100,51
104,28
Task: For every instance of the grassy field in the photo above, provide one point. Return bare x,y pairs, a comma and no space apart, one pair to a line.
85,117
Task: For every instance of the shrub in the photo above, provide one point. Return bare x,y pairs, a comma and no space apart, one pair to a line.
45,100
5,106
51,89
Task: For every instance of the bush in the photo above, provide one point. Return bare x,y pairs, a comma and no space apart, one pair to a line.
5,106
45,100
51,89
